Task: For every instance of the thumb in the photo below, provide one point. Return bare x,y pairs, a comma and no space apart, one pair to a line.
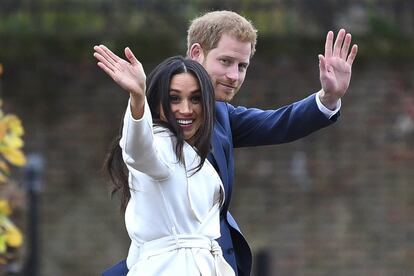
322,63
131,57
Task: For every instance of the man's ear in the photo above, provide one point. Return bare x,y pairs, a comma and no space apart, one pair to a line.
196,53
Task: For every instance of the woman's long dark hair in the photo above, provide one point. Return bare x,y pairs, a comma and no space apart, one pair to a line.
158,95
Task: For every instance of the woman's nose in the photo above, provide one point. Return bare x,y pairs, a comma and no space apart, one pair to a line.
185,107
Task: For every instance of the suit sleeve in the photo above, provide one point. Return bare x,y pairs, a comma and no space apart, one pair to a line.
255,127
139,149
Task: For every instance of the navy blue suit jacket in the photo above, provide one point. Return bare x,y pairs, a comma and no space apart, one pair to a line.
237,127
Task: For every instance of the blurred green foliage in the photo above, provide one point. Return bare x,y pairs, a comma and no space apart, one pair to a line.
67,29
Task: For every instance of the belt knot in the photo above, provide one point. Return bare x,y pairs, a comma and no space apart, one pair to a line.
215,248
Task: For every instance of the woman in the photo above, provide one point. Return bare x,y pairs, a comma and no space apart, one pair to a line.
173,205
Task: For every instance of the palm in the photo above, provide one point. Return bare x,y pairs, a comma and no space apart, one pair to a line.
127,74
335,67
337,77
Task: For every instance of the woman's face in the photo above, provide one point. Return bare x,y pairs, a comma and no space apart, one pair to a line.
185,101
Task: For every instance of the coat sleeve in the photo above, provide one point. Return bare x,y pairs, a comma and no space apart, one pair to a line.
255,127
139,149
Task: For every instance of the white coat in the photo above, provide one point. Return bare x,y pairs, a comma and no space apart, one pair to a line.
173,214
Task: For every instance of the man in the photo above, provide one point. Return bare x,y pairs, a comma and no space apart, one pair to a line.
224,42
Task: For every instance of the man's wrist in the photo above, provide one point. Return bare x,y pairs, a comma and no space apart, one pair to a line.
325,110
328,101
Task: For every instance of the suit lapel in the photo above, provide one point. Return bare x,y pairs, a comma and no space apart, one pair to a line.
219,157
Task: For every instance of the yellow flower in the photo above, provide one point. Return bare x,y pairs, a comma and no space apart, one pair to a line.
14,156
4,171
14,124
11,130
9,233
3,128
5,209
12,141
3,245
4,167
3,177
14,237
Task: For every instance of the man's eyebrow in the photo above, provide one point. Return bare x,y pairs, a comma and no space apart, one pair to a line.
233,58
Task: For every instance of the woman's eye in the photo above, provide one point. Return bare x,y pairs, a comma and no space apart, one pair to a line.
174,98
196,99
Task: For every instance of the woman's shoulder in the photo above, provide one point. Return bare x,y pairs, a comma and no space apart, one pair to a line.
164,140
162,132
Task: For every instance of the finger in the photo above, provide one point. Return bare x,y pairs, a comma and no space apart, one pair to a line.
104,54
99,57
107,70
110,53
352,54
104,61
100,50
328,44
131,57
322,64
97,49
338,43
112,59
324,67
345,47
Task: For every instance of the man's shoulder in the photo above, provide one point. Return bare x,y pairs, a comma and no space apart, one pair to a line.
223,106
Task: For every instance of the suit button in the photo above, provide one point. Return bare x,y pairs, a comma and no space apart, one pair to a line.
230,251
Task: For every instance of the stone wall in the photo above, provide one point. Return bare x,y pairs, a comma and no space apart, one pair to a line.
336,202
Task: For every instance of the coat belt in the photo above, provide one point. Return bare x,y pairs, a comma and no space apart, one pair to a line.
159,246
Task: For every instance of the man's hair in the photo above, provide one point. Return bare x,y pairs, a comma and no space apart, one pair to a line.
208,29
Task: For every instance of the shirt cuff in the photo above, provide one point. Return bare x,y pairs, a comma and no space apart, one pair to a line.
326,111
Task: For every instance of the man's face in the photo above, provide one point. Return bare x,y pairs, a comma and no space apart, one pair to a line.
227,65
